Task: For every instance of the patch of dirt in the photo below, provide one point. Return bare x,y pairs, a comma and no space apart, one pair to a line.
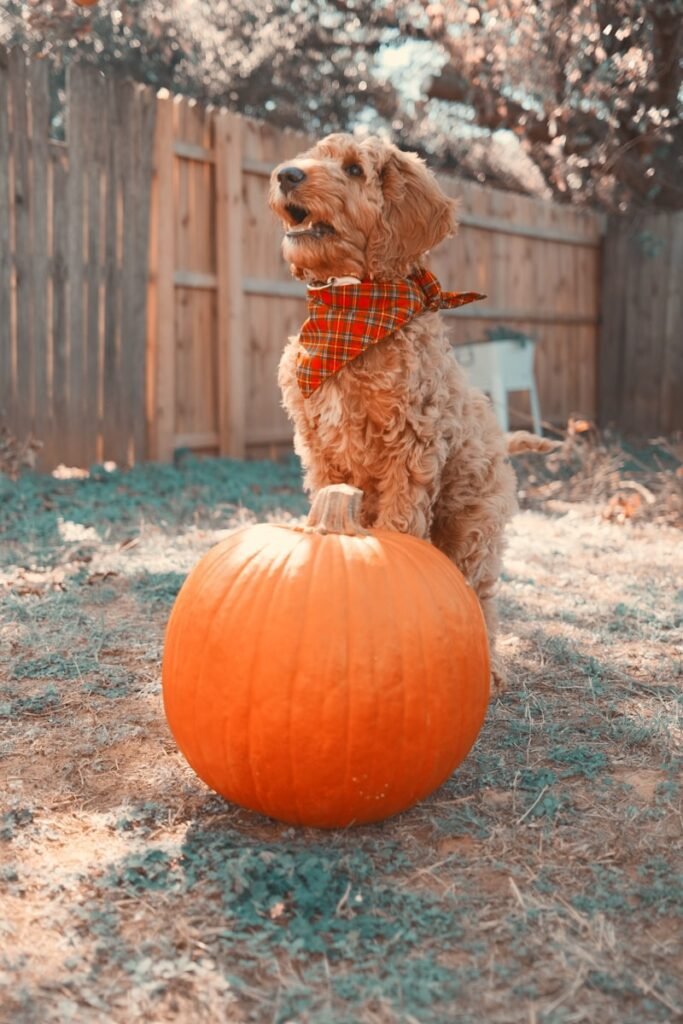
644,783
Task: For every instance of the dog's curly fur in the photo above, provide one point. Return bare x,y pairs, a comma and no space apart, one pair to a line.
399,421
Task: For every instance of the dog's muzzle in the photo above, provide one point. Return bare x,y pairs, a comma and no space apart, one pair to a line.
289,178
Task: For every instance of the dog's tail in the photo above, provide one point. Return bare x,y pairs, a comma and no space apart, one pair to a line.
523,441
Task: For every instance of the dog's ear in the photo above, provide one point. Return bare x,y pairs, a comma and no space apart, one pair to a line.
416,214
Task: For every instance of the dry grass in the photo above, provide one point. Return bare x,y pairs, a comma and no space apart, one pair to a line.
627,482
541,884
16,454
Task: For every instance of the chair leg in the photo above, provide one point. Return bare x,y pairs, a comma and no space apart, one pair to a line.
535,409
499,397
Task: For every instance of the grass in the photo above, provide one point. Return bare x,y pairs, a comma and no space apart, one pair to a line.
540,884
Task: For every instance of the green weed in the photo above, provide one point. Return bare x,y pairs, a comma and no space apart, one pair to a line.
309,901
37,704
579,760
13,820
157,589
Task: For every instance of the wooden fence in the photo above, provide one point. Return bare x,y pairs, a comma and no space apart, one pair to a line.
73,259
641,351
143,299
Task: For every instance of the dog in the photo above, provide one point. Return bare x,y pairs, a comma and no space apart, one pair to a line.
389,410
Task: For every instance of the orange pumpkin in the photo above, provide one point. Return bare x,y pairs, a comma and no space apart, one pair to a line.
323,675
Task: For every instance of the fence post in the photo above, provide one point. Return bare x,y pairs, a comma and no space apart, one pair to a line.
232,345
161,368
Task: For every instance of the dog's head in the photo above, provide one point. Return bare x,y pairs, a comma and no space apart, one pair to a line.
363,209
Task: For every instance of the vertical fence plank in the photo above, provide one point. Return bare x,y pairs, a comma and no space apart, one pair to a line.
162,320
93,154
628,298
232,334
587,283
59,254
6,325
144,158
76,443
42,383
24,396
610,364
126,127
645,327
152,301
135,142
112,425
671,385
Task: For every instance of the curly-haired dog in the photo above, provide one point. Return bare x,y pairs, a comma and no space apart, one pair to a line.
389,410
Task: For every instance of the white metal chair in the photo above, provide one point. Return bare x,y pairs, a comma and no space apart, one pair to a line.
498,367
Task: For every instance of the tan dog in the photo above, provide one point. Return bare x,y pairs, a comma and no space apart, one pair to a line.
399,421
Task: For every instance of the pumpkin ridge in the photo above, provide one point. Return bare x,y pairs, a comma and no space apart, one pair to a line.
421,644
395,617
447,580
305,619
347,725
468,593
255,609
458,584
276,567
414,555
368,629
362,629
418,567
169,669
376,732
336,557
194,703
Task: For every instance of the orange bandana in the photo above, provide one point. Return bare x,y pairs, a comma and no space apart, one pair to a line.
344,320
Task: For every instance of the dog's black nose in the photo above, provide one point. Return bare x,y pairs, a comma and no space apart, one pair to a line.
289,178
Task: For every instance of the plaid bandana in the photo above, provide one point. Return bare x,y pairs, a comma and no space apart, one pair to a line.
344,320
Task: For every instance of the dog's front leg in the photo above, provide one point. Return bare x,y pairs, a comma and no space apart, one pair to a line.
406,491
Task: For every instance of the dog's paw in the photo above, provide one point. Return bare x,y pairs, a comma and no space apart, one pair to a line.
523,441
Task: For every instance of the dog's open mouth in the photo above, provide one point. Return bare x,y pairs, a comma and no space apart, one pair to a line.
307,227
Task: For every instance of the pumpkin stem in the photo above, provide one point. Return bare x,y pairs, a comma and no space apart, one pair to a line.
336,509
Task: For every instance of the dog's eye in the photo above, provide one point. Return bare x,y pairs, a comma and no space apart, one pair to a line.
354,170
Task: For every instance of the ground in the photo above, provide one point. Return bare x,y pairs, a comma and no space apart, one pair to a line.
541,883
